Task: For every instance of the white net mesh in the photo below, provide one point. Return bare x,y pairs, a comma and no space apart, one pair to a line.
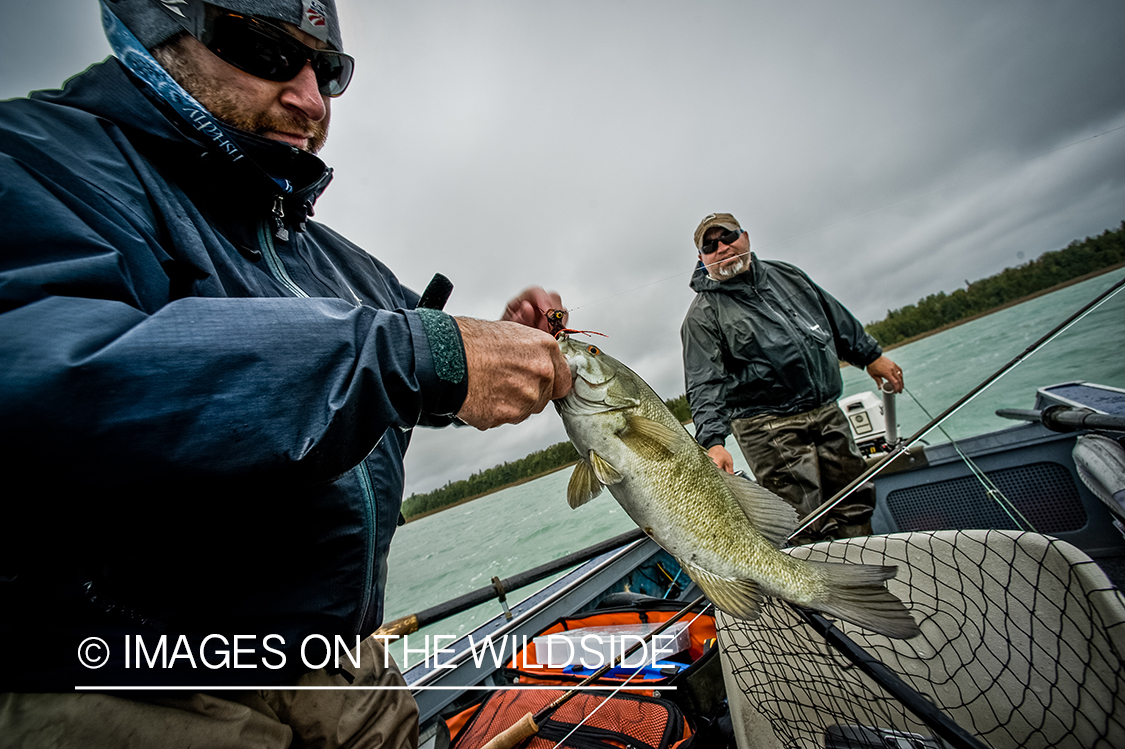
1022,644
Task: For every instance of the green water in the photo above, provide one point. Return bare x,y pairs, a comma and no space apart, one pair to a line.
942,368
459,550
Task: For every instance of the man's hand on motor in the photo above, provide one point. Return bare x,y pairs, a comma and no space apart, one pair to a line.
514,371
721,457
884,369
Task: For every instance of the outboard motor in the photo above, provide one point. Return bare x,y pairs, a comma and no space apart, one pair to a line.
872,430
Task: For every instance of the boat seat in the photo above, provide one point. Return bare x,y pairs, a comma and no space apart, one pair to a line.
1022,644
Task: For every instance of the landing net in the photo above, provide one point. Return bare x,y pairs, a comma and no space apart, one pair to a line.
1022,645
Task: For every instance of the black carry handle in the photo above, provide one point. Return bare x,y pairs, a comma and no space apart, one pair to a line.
437,292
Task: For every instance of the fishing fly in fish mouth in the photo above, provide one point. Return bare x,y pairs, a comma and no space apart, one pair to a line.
725,531
556,322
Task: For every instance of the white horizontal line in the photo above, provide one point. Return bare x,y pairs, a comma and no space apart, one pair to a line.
284,688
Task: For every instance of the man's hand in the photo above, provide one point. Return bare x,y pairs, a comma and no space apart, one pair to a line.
721,457
530,308
884,369
514,371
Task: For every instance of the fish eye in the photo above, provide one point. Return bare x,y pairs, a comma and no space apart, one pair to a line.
593,350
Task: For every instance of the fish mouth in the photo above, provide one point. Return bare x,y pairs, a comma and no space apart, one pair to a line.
588,394
579,370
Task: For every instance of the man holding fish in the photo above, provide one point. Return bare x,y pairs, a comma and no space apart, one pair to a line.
207,396
761,346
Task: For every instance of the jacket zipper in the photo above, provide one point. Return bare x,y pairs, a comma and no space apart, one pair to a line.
269,252
363,477
796,334
279,229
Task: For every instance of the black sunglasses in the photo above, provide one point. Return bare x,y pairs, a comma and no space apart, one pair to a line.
266,51
729,238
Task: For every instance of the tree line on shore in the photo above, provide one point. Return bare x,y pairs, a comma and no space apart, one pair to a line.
536,464
1049,269
935,311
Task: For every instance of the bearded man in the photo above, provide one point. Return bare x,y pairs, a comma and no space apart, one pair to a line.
207,396
762,345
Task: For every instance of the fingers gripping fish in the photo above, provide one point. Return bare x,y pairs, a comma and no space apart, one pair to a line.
724,531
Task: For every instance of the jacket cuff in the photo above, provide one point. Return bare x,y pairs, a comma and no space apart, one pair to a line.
710,442
877,353
439,356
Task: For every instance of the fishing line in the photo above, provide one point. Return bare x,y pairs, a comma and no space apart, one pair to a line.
528,726
662,280
609,696
599,707
903,446
842,221
1031,350
991,490
672,585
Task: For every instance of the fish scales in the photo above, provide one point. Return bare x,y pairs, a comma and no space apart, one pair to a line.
724,531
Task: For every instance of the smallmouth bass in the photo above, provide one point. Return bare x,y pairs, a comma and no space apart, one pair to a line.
725,531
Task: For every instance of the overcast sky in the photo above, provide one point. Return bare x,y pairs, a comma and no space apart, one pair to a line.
891,149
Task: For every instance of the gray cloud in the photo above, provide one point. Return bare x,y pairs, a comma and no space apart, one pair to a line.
890,149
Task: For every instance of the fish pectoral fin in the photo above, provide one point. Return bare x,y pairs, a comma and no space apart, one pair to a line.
738,597
649,438
770,515
583,486
605,472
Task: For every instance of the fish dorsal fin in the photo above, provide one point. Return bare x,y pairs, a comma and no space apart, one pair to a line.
737,597
605,472
648,438
583,486
771,515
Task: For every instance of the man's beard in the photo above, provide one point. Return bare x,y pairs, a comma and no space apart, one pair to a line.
227,109
720,273
225,105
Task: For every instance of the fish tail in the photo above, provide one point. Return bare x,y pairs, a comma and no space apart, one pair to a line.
858,593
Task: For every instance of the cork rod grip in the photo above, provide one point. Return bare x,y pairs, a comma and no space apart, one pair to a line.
525,729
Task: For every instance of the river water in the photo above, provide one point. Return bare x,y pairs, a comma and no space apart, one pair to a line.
459,550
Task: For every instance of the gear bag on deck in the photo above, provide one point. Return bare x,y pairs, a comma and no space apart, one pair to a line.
608,722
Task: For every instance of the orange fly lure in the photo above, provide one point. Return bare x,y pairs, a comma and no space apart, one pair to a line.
556,322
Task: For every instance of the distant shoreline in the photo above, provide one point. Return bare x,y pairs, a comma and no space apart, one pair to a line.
1006,305
912,339
459,502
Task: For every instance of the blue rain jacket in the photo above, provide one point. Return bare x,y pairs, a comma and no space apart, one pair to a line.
203,424
768,340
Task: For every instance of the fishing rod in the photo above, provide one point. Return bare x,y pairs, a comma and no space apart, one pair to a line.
903,446
498,590
529,724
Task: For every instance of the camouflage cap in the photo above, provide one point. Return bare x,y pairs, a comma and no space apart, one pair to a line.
157,21
725,220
